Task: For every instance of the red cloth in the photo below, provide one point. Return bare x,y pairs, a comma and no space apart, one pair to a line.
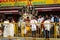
28,20
42,25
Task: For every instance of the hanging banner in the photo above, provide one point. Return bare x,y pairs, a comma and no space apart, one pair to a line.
51,1
25,2
38,2
58,1
13,2
41,2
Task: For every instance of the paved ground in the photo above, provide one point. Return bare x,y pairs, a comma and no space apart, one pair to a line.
28,38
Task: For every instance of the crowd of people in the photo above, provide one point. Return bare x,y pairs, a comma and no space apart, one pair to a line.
29,24
6,27
43,24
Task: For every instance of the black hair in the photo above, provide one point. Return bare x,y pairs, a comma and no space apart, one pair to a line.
27,17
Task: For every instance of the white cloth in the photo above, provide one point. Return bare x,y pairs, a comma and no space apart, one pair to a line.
59,19
25,15
11,25
8,29
40,20
19,23
33,24
52,19
47,25
0,25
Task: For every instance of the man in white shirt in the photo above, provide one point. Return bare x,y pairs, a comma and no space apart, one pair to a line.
47,26
40,20
52,18
33,24
6,28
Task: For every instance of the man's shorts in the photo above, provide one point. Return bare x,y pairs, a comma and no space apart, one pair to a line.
33,32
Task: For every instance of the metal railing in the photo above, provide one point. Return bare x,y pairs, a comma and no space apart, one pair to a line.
24,30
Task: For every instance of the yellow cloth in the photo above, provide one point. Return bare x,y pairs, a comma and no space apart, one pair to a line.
22,27
28,28
15,28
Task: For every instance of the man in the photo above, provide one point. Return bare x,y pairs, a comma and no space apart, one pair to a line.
52,18
47,26
40,20
33,24
56,19
6,28
11,29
